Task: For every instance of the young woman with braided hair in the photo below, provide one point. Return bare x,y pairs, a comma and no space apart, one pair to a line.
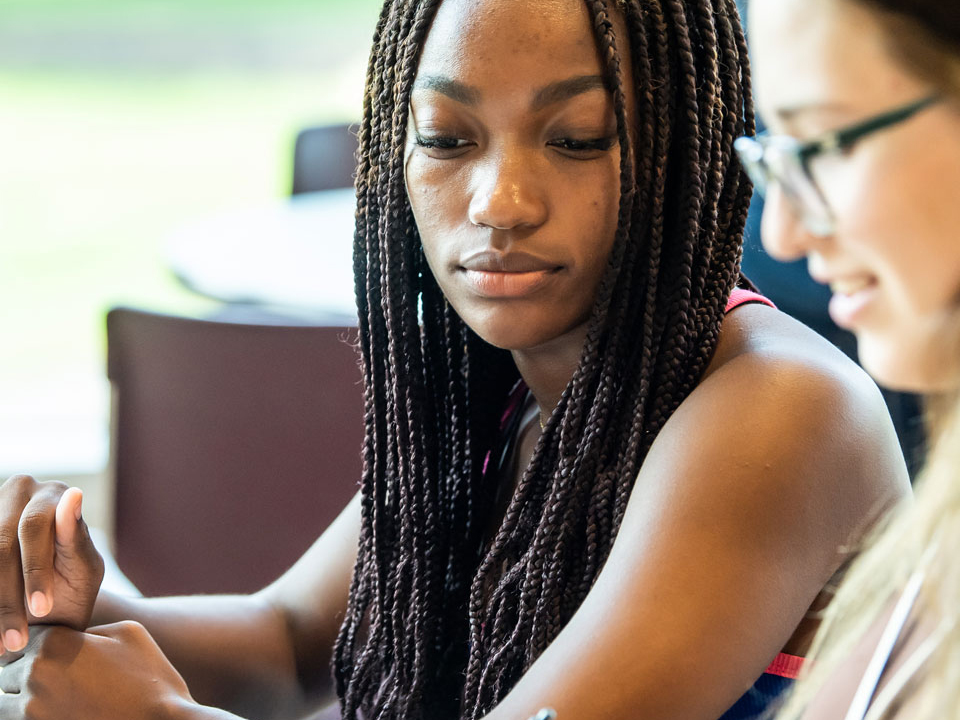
586,483
873,107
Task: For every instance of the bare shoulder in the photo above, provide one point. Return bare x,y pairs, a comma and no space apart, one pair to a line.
795,379
736,522
787,422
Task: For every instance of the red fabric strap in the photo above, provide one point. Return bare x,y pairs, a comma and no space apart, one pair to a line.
788,666
739,297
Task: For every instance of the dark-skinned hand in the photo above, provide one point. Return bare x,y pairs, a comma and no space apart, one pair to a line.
50,571
109,672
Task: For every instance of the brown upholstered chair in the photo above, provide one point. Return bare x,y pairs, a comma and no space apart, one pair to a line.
234,445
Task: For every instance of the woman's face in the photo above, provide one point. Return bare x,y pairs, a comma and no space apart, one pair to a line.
893,260
512,166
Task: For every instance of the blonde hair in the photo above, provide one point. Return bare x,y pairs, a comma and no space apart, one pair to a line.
923,535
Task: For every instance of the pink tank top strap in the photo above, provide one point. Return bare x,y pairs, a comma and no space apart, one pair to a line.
787,666
739,297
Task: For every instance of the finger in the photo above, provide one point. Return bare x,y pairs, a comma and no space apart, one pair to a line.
72,540
13,619
15,494
69,517
13,622
36,533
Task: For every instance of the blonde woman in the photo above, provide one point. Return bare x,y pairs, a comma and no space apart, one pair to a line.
504,232
862,177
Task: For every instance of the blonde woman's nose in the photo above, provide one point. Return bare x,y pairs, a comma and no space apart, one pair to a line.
784,235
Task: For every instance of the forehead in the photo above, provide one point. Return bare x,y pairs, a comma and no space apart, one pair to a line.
816,52
470,39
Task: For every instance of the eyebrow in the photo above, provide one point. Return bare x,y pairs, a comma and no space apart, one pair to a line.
451,88
566,89
548,95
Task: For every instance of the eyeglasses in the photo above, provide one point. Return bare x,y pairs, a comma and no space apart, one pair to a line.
787,161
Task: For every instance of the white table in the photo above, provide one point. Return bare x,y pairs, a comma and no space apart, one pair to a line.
293,255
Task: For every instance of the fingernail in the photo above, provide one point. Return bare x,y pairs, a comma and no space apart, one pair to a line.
39,604
79,509
13,640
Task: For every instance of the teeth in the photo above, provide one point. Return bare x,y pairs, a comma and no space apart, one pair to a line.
850,286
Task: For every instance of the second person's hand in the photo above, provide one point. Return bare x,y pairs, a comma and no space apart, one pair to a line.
50,571
109,672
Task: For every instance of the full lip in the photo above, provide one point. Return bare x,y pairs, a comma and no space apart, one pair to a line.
506,275
514,261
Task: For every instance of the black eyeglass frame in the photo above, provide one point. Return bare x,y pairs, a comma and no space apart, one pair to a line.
845,137
752,151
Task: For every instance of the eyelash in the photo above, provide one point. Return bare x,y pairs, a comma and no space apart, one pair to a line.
566,144
438,143
594,145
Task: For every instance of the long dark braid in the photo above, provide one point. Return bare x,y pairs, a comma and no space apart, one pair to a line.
437,625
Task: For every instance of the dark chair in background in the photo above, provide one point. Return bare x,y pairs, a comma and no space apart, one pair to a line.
234,446
324,158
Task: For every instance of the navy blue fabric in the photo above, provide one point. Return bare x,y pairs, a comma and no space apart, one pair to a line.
760,700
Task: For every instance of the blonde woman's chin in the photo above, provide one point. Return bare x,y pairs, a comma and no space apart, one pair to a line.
920,362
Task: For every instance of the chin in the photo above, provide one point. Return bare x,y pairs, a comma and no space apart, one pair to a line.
514,330
506,338
926,365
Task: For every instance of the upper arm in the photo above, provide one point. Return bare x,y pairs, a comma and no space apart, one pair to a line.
312,596
738,518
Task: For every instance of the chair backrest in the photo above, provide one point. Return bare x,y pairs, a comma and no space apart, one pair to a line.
324,158
234,446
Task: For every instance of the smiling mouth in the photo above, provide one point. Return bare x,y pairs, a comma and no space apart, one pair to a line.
851,286
851,299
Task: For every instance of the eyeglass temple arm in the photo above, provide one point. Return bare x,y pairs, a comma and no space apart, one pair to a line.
847,136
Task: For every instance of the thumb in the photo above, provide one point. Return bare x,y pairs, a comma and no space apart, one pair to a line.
68,517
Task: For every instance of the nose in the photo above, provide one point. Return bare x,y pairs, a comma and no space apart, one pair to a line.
508,193
783,233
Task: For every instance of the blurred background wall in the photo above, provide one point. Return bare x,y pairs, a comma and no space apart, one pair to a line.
121,121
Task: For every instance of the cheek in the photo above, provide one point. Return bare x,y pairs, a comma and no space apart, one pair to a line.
929,246
900,226
423,174
428,187
597,212
436,201
585,223
903,224
605,213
